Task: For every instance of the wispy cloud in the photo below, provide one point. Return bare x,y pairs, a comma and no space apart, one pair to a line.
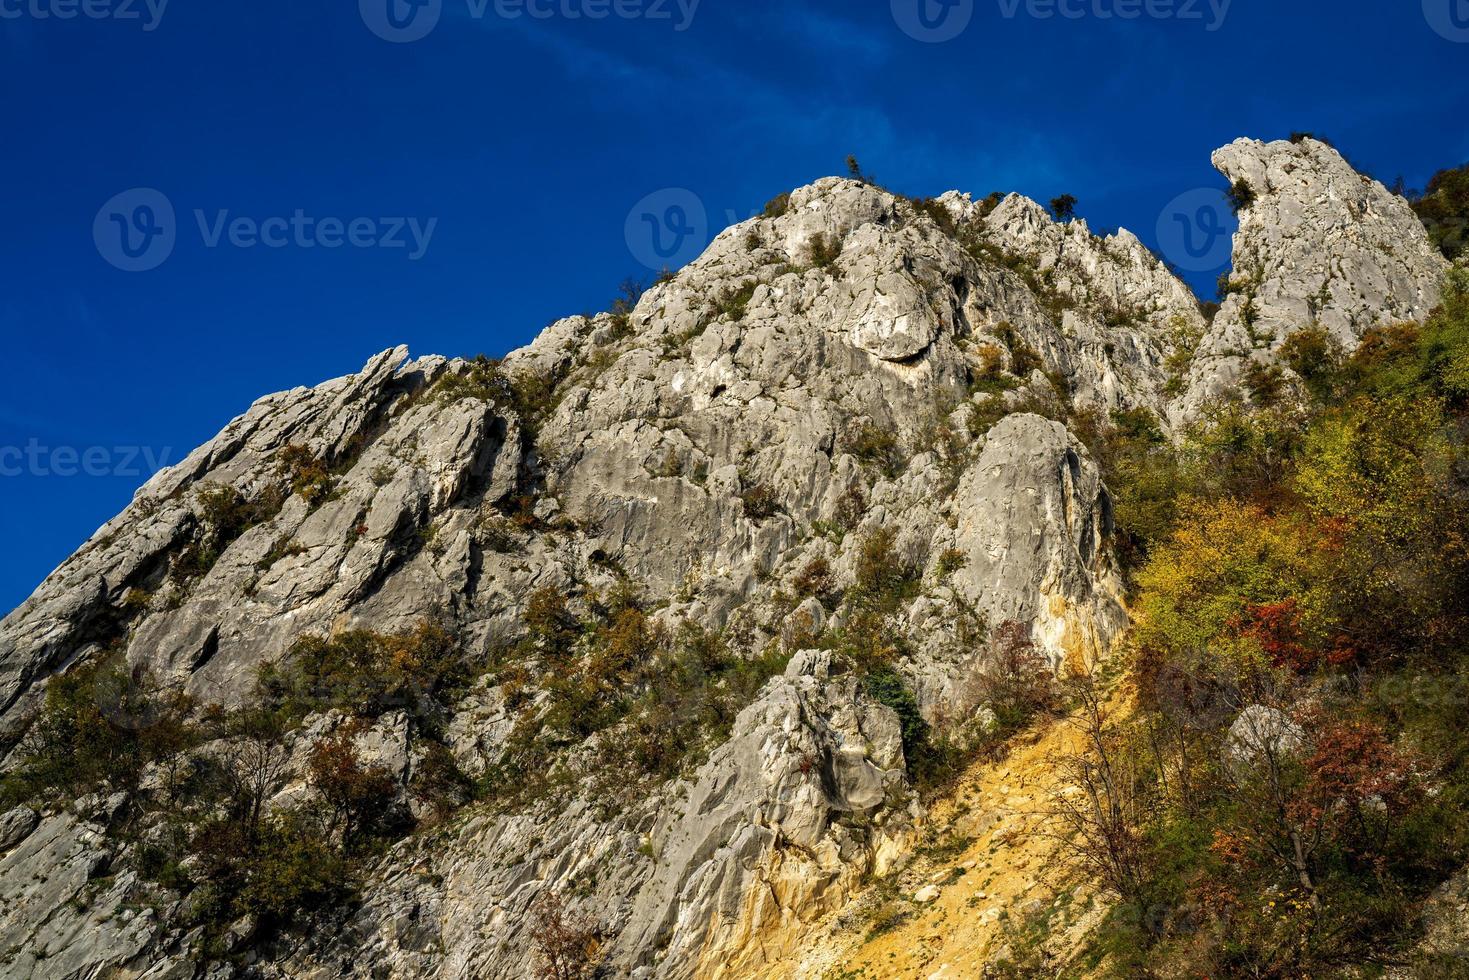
578,59
838,34
761,108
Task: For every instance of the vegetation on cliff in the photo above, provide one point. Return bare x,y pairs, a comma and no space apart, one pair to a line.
1295,780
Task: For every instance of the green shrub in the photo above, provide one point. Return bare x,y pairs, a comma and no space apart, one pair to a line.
931,763
951,561
308,473
530,394
481,381
1444,211
822,251
990,378
225,515
777,206
760,502
1240,195
280,870
1314,355
936,213
364,673
1023,358
1264,382
663,701
72,748
887,687
549,622
283,547
877,446
733,303
1063,207
884,579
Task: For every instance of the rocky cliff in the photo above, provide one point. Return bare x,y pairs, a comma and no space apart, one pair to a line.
852,369
1319,244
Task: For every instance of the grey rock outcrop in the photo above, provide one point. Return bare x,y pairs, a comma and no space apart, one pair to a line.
1124,315
1032,510
1263,732
1319,244
780,823
63,912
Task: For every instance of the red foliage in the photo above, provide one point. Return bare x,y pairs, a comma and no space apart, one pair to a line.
1343,652
1229,848
1276,626
1333,532
1353,762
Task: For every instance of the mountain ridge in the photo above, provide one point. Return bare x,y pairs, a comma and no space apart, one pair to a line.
843,442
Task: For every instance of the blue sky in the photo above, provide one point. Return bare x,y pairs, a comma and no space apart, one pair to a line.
527,148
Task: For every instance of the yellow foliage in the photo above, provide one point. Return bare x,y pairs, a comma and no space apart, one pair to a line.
1225,557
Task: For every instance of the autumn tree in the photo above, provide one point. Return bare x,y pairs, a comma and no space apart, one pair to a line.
1102,817
1018,680
567,946
549,621
356,793
255,767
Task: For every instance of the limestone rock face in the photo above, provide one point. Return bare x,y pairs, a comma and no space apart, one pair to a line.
776,827
1318,245
1032,510
59,903
293,573
852,367
1125,315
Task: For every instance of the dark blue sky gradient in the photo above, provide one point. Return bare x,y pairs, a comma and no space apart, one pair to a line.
530,141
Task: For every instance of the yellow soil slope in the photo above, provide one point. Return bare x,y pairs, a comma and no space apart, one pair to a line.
985,861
